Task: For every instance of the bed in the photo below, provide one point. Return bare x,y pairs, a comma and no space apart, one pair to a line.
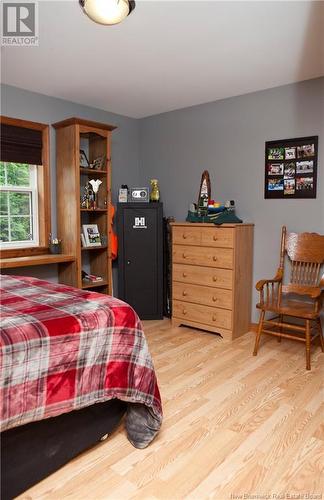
73,364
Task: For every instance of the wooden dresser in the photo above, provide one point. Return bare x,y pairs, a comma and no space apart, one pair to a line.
212,277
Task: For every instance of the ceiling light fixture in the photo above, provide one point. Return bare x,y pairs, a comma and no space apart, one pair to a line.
107,12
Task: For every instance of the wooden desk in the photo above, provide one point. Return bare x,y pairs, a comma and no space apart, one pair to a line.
35,260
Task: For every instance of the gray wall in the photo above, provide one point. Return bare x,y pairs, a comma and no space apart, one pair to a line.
227,138
19,103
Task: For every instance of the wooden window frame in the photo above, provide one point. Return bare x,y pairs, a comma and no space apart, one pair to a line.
43,186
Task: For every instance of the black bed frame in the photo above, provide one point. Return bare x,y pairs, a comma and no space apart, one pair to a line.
31,452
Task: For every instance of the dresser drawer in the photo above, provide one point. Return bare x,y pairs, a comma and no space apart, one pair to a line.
203,256
202,314
205,295
186,235
217,237
198,275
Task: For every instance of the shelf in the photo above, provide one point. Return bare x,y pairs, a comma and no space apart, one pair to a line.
35,260
95,284
92,171
91,210
102,247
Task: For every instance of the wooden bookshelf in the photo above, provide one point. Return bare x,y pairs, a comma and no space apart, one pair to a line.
95,139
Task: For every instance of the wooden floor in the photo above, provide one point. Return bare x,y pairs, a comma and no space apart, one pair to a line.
234,425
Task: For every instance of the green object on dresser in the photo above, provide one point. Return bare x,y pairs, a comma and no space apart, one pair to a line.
224,217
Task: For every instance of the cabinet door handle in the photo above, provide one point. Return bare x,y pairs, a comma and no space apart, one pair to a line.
214,278
215,299
184,255
215,238
184,275
184,236
184,293
214,258
184,311
214,318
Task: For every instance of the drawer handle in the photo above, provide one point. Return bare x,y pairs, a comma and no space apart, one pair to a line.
184,236
184,275
215,299
214,258
214,318
184,311
214,278
184,255
215,238
184,293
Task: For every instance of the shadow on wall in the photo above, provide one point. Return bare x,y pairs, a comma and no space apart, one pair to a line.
306,118
312,56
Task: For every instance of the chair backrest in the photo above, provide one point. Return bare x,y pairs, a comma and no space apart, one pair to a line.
306,254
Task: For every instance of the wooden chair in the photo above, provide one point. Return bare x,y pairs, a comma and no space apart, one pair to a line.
301,298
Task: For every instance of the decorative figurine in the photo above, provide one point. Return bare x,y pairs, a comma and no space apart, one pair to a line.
87,197
155,192
99,163
54,244
95,183
204,194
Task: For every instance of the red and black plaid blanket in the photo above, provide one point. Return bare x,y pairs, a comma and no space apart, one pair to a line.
63,349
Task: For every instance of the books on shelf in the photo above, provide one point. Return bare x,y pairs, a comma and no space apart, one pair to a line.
91,278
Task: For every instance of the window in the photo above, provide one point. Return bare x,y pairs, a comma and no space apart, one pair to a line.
18,205
25,212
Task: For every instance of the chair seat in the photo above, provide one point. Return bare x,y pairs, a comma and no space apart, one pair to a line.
292,307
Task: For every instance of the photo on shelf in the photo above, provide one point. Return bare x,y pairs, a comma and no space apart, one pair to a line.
84,163
91,235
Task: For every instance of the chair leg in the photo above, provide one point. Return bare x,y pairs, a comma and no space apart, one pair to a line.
308,342
320,333
258,335
280,321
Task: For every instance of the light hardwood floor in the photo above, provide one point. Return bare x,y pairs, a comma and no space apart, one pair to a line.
234,425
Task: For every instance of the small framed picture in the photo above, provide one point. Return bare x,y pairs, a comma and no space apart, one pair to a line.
91,235
83,159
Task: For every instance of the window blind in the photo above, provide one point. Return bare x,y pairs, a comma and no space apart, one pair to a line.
21,145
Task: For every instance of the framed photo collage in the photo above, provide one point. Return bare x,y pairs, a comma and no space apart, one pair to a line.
291,168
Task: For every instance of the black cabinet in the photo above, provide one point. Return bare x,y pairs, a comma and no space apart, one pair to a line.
140,257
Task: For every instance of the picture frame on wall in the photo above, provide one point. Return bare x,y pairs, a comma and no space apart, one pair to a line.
291,168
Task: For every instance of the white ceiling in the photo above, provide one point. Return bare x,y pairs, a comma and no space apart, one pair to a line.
168,55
